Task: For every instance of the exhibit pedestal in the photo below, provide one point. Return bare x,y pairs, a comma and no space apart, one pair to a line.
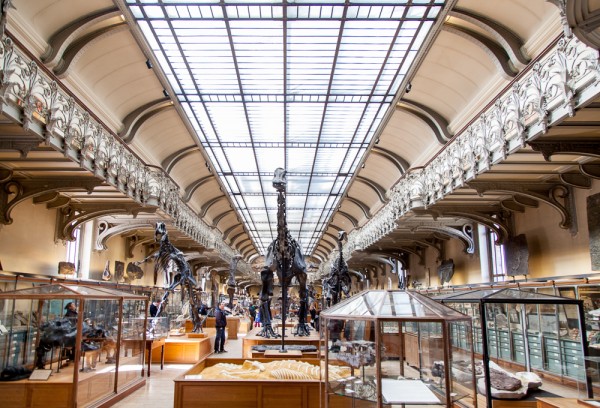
252,339
191,391
233,325
184,350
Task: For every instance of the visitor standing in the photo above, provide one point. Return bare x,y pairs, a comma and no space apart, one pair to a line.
154,308
71,313
257,319
220,324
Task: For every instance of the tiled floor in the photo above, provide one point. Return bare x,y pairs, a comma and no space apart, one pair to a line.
160,389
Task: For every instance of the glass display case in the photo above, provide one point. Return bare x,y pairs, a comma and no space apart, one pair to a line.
535,332
396,347
72,344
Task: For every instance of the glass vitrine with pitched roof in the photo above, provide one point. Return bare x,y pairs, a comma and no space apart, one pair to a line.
82,344
535,332
393,347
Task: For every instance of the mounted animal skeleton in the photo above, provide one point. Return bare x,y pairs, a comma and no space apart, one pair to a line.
284,256
167,254
339,279
231,284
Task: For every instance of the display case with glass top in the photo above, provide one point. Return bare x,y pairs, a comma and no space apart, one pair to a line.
535,332
77,339
375,333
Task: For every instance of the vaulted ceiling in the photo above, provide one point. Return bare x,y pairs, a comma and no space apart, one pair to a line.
96,53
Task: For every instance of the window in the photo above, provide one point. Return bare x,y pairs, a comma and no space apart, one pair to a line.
497,258
73,248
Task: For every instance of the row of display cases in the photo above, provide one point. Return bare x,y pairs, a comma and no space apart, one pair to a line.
555,355
532,328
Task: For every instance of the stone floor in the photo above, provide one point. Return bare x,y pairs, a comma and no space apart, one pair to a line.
159,389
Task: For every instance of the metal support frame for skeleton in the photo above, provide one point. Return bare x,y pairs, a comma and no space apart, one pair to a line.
285,257
166,254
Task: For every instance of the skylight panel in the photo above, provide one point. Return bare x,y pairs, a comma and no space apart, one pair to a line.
301,85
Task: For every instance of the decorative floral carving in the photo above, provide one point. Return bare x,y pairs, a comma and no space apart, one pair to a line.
72,129
566,77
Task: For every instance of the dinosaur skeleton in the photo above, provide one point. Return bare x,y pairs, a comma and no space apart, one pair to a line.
168,255
231,284
339,280
285,257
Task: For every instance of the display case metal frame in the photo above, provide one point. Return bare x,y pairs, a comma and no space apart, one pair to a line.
509,296
380,317
81,294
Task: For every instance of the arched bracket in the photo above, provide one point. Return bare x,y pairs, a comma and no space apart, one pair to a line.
401,164
77,47
546,193
238,246
329,245
52,199
508,40
363,207
496,53
189,191
109,230
69,33
464,234
21,143
235,237
580,18
576,180
380,191
134,120
494,220
16,190
131,243
230,230
170,162
551,147
219,217
70,217
206,206
437,123
350,218
591,170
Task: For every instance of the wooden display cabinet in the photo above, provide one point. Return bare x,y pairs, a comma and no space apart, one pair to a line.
103,370
183,350
190,392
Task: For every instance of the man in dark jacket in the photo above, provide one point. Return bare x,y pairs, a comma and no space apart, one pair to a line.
154,308
220,324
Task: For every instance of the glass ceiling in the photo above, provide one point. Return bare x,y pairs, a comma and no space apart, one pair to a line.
300,85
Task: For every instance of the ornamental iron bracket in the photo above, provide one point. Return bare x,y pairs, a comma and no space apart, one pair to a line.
73,215
107,230
551,147
497,221
549,193
16,190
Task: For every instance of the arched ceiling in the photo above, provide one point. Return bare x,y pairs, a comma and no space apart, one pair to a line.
478,50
